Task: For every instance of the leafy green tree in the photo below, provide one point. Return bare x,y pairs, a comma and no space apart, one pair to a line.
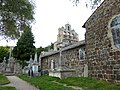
25,46
52,46
4,52
15,15
41,49
93,3
49,47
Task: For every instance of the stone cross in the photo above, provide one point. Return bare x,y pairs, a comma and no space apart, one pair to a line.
52,65
11,48
35,58
35,64
60,59
61,62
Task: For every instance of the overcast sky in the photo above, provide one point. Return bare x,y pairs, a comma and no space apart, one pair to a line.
52,14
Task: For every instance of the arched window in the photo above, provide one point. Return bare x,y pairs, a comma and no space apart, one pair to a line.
68,28
115,29
81,53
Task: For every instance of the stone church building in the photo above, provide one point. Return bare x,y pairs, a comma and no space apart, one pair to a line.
67,58
99,53
103,41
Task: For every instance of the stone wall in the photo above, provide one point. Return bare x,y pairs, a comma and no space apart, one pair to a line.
46,61
70,60
103,58
12,67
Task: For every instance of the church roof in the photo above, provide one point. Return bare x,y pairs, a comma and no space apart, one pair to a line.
49,53
80,43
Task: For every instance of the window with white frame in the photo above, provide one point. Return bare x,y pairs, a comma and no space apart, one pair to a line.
115,29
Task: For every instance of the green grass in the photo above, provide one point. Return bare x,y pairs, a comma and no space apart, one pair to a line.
45,82
3,80
7,88
89,83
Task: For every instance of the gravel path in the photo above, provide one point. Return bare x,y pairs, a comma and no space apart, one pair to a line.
19,83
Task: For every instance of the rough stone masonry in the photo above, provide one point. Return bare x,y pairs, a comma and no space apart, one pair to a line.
102,56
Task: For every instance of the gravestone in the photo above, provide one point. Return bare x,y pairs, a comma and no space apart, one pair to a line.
35,66
30,72
4,64
61,71
52,65
25,70
85,70
9,68
12,67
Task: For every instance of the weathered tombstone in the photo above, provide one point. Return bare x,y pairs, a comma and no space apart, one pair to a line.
17,68
52,65
25,70
4,64
35,66
30,73
61,71
12,67
4,61
85,70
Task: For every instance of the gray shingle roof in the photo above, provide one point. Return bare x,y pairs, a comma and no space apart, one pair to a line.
80,43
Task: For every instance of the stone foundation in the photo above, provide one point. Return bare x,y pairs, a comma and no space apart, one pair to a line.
62,73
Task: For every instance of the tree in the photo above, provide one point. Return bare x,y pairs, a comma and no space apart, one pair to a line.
4,52
46,49
39,50
49,47
92,3
25,46
15,15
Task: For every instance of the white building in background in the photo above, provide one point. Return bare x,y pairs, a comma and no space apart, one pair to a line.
66,36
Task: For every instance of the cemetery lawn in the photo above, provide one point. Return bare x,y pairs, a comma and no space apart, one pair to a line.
7,88
3,81
48,83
